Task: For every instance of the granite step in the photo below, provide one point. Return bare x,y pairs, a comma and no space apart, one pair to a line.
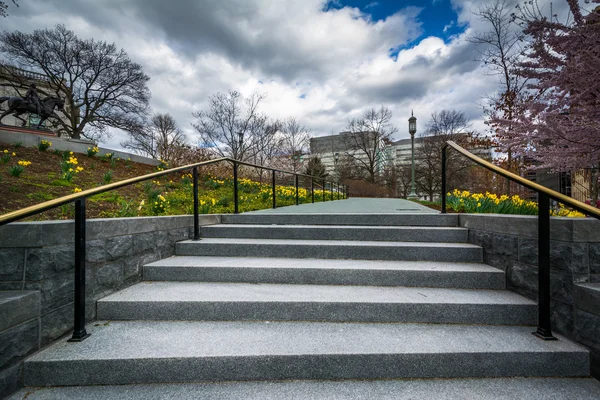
200,301
404,219
119,353
331,249
339,232
325,272
389,389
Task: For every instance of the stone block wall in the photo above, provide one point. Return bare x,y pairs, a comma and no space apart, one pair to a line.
510,244
39,256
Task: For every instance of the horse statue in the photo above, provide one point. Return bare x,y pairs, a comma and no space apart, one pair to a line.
18,106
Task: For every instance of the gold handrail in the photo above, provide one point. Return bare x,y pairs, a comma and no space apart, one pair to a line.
47,205
585,208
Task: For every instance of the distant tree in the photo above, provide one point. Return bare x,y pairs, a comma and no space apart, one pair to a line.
560,126
443,126
316,168
365,140
294,142
101,86
232,126
4,7
159,138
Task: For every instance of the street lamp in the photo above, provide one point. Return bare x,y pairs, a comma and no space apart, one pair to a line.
412,129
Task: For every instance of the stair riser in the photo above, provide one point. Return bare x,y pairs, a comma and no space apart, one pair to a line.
317,276
280,367
422,253
488,314
405,235
344,219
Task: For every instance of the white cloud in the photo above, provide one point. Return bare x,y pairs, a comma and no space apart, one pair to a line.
320,67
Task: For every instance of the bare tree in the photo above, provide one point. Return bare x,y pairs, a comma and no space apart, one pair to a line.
294,142
365,140
4,7
159,138
229,127
101,86
500,48
443,126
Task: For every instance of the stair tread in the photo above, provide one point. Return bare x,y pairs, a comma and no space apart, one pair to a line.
126,340
314,263
301,242
356,227
250,292
389,389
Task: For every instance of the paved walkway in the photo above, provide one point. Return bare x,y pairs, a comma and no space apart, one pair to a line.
355,205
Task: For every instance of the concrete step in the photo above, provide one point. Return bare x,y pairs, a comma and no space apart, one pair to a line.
393,389
179,351
339,232
325,272
331,249
405,219
199,301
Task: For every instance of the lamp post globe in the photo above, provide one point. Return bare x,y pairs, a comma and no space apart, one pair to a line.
412,129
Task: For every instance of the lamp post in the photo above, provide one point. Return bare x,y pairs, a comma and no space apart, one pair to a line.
412,129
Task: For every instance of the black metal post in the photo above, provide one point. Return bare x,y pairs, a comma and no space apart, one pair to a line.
196,217
331,190
296,189
236,209
444,150
324,197
544,329
312,189
338,191
274,192
79,332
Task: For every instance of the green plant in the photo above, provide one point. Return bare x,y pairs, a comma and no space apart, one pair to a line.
128,163
113,161
16,145
162,165
44,145
69,167
67,211
126,209
5,157
107,177
92,151
160,205
16,170
57,152
107,157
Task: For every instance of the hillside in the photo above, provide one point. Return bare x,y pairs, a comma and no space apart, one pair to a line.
50,174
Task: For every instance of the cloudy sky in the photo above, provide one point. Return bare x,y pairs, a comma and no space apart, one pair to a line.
321,61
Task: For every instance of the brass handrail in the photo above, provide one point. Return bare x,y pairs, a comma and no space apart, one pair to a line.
584,208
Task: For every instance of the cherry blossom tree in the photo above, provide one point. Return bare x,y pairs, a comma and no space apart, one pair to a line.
560,123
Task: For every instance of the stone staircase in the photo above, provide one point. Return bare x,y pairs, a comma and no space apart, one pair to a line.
273,297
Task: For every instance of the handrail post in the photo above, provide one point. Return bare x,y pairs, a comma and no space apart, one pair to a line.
324,196
235,189
79,332
274,191
296,189
312,189
338,190
544,329
444,154
196,216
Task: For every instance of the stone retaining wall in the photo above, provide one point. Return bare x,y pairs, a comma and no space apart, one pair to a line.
510,244
39,256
